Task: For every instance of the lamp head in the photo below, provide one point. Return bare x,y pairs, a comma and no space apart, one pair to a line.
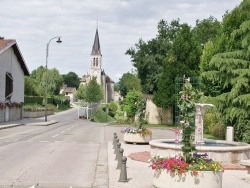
59,40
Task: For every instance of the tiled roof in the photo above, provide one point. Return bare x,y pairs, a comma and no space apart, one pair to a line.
69,89
6,44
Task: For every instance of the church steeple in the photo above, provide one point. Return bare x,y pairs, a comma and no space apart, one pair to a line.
96,50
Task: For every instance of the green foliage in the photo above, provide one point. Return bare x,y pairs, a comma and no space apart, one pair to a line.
71,79
81,92
186,105
101,117
29,86
135,103
129,82
214,124
229,71
93,92
33,99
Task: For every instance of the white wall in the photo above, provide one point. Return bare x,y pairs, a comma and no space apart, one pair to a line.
9,63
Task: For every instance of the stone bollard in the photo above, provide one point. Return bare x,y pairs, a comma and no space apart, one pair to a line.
117,151
116,142
119,164
123,173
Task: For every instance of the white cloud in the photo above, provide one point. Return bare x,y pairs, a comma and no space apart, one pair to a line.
121,24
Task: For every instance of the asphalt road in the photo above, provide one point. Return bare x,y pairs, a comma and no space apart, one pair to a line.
61,155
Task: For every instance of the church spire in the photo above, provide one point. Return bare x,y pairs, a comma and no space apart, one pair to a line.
96,50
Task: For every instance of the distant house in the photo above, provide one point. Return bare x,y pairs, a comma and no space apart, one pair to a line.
69,92
12,72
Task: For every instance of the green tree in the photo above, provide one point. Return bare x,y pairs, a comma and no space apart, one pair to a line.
135,103
81,92
181,59
230,71
71,79
94,92
129,82
29,87
54,81
206,30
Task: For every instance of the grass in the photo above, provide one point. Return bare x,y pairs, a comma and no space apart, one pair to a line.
101,117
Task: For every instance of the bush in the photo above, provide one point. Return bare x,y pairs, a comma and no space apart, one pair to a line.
33,99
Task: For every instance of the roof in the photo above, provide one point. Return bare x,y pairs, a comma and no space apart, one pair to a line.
9,43
69,90
96,50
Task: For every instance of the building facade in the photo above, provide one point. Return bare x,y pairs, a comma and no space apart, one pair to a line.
96,71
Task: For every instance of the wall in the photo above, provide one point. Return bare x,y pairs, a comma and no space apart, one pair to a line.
153,113
10,64
15,113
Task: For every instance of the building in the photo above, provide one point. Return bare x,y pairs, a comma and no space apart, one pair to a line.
68,92
102,78
12,72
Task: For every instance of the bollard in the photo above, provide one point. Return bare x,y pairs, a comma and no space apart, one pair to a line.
123,173
119,164
117,151
116,142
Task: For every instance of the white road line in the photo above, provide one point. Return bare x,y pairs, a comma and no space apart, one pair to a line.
57,141
43,141
55,135
63,132
68,129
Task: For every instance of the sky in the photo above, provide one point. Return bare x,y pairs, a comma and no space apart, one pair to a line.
121,23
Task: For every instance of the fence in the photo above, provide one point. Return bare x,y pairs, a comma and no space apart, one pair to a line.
87,111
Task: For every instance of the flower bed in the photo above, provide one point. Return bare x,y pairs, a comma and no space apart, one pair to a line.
140,135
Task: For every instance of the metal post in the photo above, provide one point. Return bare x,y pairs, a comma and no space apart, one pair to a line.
116,142
46,75
117,151
123,173
119,164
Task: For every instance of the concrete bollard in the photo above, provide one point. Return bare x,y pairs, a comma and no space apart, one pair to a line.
123,173
117,151
119,164
116,142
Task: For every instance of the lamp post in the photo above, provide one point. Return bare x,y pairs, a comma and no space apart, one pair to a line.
46,75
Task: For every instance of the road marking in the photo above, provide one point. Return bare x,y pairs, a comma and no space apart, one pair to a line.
68,129
43,141
63,132
55,135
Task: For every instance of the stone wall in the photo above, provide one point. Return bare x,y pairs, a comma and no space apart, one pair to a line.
35,114
10,114
157,115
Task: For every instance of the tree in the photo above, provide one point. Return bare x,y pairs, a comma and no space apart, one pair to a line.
54,81
206,30
129,82
230,71
81,92
94,92
29,87
181,59
71,79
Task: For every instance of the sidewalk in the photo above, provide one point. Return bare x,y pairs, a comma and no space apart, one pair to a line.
140,175
27,121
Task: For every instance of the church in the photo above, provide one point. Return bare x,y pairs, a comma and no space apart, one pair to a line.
102,79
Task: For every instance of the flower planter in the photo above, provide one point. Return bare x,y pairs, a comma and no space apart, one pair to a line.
136,138
204,179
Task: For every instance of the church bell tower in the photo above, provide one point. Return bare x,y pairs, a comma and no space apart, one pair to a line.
96,59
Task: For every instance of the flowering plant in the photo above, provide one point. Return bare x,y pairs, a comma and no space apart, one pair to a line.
177,165
143,131
190,161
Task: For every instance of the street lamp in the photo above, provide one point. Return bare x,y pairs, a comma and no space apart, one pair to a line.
46,76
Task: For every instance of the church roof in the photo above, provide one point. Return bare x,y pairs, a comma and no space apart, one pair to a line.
96,50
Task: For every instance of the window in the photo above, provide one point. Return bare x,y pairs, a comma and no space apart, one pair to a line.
8,86
94,62
97,62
